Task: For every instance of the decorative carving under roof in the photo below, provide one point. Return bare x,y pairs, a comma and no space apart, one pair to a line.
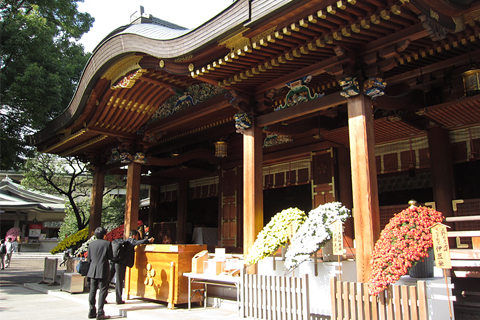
264,35
435,31
122,67
236,42
128,80
193,95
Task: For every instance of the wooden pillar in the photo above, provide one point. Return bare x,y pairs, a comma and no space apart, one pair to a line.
252,187
442,170
182,211
98,184
132,202
364,182
345,191
16,222
154,205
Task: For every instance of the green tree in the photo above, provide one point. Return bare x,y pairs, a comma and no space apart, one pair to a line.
113,214
70,178
40,67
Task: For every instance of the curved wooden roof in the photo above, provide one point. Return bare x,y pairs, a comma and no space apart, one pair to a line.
255,48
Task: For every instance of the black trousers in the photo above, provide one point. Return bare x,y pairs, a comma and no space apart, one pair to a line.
118,270
102,285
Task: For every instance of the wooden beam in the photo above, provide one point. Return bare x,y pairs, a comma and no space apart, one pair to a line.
98,183
364,182
462,254
462,218
456,61
294,153
112,133
111,166
313,70
155,181
182,172
205,154
160,83
252,187
305,108
412,33
195,112
132,202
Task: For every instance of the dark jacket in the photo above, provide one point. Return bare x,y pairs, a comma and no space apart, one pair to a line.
99,252
129,259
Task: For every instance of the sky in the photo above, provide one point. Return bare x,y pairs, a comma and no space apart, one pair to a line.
110,14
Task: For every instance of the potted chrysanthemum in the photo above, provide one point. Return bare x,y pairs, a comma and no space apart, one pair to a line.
403,242
314,233
275,234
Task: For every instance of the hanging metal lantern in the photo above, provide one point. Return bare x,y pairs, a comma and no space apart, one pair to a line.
471,82
221,149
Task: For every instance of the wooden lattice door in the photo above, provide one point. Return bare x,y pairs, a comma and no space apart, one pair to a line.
323,177
229,208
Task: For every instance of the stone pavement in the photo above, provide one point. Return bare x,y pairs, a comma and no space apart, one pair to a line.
23,298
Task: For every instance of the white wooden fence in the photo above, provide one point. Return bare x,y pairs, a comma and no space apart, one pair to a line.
351,301
275,297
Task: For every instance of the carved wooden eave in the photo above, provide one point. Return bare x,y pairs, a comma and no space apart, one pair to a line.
311,36
453,15
251,50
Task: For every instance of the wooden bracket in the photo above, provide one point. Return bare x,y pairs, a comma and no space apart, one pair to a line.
239,100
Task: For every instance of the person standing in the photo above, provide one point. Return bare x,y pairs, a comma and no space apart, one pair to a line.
119,268
99,253
11,248
3,251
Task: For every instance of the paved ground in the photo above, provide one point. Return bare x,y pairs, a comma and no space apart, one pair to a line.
21,297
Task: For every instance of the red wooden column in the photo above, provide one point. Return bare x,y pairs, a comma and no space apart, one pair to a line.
252,187
345,191
98,184
132,202
364,182
442,169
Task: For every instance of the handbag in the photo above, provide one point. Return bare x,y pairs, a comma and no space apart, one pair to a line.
83,267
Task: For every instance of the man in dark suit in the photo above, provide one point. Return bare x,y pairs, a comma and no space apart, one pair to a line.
99,253
118,269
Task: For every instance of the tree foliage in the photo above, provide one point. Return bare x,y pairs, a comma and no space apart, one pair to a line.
40,67
70,178
113,215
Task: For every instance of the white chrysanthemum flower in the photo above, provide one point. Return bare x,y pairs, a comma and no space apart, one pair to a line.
275,234
314,233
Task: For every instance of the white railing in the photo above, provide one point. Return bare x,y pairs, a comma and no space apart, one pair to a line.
276,297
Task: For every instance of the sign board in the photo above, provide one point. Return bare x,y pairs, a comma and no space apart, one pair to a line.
220,254
150,248
337,238
291,229
440,246
52,224
34,232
